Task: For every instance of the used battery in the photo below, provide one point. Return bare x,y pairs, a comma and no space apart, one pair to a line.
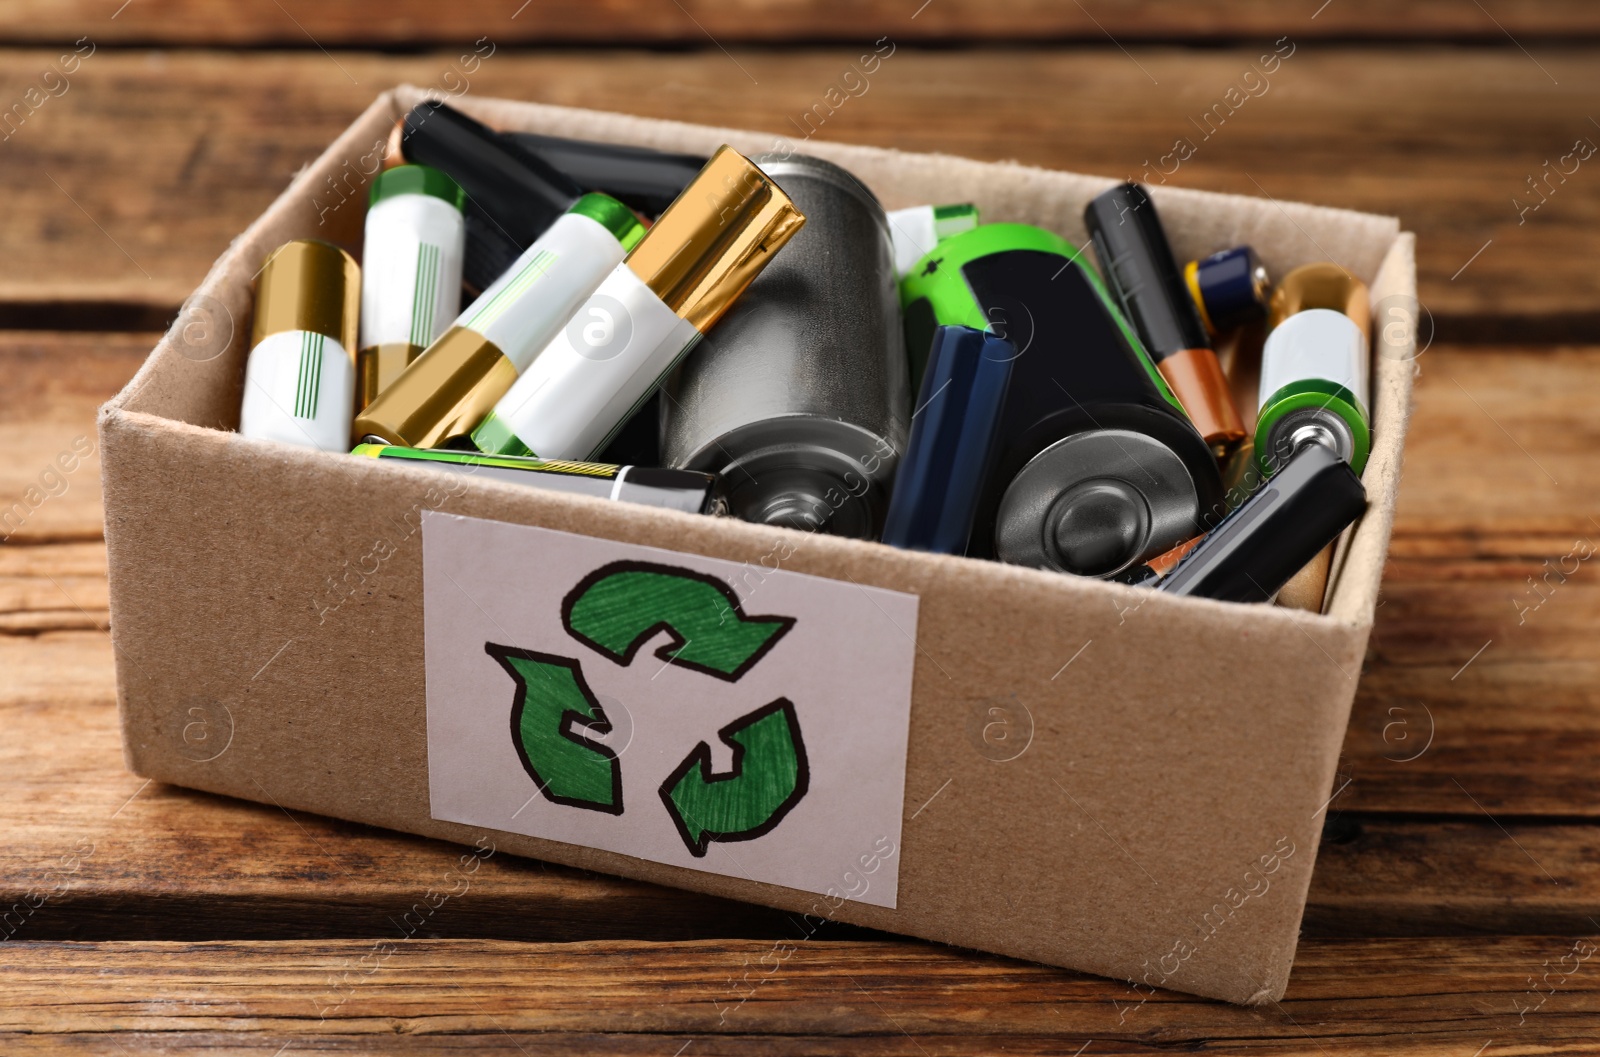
644,179
411,284
653,307
918,229
1137,264
799,398
951,449
685,490
300,379
512,196
1097,465
449,389
1315,369
1229,289
1273,534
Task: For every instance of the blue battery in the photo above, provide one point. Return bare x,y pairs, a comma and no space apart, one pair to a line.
953,433
1230,288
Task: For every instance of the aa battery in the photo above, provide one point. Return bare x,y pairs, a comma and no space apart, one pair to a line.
411,285
679,280
1229,289
454,384
685,490
644,179
1315,368
918,229
1097,466
951,449
512,196
1137,263
799,399
1289,519
300,379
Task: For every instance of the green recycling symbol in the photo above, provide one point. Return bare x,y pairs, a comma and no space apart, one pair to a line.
614,611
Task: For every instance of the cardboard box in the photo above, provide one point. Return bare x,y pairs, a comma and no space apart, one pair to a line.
1161,818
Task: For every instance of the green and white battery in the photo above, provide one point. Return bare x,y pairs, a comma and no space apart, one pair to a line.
1316,369
448,390
675,284
300,378
411,283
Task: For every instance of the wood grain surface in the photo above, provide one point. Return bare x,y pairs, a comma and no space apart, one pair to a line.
721,997
1457,893
125,187
301,23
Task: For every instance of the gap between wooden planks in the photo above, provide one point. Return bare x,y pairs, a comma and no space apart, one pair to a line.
301,23
122,190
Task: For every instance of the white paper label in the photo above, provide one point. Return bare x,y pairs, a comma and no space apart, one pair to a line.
733,718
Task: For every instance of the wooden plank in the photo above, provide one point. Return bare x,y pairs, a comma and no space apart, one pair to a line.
1481,691
300,23
1377,996
1379,876
50,386
124,189
53,588
1502,438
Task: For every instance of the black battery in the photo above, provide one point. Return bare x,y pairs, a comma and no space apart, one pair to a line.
638,177
1287,521
512,195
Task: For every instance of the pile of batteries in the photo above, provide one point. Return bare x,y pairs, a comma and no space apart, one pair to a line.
631,306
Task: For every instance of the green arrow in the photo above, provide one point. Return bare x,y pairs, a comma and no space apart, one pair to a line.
567,768
769,777
617,608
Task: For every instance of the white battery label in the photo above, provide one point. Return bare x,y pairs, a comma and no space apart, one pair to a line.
411,279
299,388
525,308
1317,343
597,370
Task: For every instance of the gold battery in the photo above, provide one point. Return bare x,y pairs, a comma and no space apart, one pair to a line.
377,366
443,395
1320,285
715,238
310,285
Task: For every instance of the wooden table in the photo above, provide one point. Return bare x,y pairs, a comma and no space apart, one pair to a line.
1458,883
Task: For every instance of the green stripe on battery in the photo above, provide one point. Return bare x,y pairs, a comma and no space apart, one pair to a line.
424,292
466,458
530,274
307,391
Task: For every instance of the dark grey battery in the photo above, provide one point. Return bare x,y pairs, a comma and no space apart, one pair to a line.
647,180
799,399
1298,511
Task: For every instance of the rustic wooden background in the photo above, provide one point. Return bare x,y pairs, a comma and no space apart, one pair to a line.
1458,885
